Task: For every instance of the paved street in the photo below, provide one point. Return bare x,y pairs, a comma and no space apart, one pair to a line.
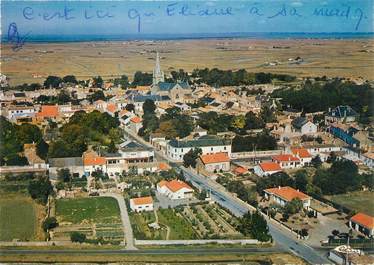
128,233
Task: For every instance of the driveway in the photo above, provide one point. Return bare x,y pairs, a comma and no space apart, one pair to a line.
165,202
128,236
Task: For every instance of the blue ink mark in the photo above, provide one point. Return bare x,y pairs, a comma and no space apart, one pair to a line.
361,16
185,11
170,10
134,14
255,11
285,12
15,38
28,13
66,14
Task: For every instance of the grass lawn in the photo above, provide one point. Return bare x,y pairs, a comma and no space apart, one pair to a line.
88,210
360,201
179,227
18,218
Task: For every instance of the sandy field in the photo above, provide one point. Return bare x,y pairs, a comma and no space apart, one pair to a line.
32,63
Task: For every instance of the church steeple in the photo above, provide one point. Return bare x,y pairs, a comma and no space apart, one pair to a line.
158,75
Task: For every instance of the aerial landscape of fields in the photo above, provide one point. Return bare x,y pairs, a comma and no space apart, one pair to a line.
348,58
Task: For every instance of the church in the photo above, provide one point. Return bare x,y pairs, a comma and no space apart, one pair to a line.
177,92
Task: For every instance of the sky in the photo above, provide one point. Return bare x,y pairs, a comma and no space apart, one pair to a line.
185,17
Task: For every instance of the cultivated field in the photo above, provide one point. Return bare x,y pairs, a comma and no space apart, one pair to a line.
346,58
96,217
190,222
359,201
20,218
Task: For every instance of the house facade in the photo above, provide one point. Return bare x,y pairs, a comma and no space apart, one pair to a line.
286,161
142,204
363,223
283,195
214,162
175,189
267,168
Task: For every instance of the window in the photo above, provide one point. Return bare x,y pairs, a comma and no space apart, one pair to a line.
224,148
211,149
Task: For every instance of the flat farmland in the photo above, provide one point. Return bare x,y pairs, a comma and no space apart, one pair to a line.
20,218
35,61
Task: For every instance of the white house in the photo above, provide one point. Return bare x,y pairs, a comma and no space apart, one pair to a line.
304,126
174,189
267,168
283,195
21,112
214,162
142,204
303,155
176,149
362,223
286,161
135,124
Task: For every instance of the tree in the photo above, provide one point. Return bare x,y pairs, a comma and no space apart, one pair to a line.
98,82
63,97
167,129
316,161
301,180
63,175
149,107
294,206
189,159
69,79
254,225
239,122
112,147
253,122
142,79
49,223
52,81
97,95
77,237
39,189
42,149
123,81
130,107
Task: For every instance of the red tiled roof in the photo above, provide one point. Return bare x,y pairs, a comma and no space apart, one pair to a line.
270,166
364,220
240,170
284,158
136,119
301,152
163,166
215,158
111,107
287,193
48,111
174,185
92,159
142,200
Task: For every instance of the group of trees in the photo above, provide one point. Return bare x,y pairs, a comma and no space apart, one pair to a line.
81,129
40,188
260,141
12,140
254,225
172,124
314,97
341,177
217,77
189,159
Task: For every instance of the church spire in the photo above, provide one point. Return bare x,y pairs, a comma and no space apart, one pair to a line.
158,75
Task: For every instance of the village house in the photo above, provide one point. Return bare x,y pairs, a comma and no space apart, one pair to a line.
135,124
175,189
341,114
21,113
74,164
303,155
286,161
176,149
267,168
93,162
142,204
283,195
362,223
304,126
214,162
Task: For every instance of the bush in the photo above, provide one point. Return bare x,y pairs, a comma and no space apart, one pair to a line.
77,237
49,223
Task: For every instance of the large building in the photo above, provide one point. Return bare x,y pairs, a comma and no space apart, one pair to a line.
176,149
176,91
363,223
284,195
174,189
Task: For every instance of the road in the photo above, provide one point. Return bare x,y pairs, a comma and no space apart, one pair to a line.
167,251
127,229
281,236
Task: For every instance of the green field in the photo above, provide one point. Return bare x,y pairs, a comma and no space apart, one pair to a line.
88,210
140,221
180,228
359,201
17,218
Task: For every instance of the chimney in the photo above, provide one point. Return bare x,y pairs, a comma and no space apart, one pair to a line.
279,187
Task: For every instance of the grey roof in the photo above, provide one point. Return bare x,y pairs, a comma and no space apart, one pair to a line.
299,122
65,162
342,111
165,86
143,98
206,140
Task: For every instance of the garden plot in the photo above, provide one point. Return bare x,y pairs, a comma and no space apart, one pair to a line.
95,217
